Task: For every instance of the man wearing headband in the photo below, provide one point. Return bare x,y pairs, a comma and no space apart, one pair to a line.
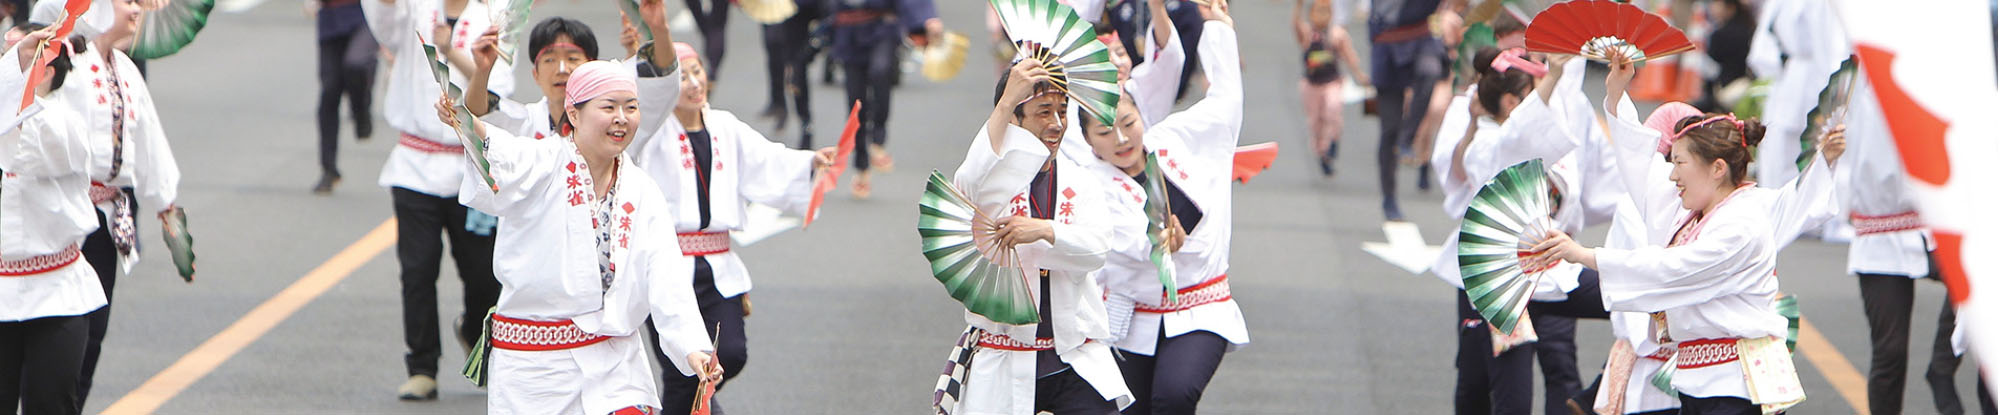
423,176
586,256
711,166
867,40
1055,218
346,68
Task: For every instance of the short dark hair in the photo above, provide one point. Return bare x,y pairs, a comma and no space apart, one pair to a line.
1000,90
545,33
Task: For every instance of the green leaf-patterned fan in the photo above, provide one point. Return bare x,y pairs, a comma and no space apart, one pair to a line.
179,242
1156,222
1830,111
475,144
1508,216
975,269
171,27
1053,34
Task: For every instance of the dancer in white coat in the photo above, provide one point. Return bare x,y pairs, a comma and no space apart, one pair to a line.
1706,274
45,214
584,261
1172,348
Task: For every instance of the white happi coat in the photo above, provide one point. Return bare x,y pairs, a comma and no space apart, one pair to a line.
547,261
1721,283
408,104
744,167
147,165
1002,382
1872,183
45,208
1196,149
1798,44
1537,129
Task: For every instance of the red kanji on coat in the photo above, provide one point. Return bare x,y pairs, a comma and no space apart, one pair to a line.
576,198
625,224
1066,209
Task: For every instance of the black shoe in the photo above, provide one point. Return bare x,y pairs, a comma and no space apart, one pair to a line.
364,128
326,182
1391,211
806,140
1325,167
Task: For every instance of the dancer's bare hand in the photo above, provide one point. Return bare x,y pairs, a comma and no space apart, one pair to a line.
1832,143
1021,230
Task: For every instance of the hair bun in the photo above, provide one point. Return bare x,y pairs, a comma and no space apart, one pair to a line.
1753,132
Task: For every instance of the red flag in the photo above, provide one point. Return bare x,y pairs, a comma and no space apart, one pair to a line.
1253,159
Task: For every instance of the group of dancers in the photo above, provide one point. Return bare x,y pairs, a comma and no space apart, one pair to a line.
81,156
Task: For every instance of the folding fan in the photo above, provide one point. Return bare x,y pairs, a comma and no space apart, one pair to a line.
1788,306
179,243
975,268
943,60
1599,29
1053,34
831,178
237,6
631,9
512,20
170,28
1831,111
46,52
1157,214
1506,218
468,136
1253,159
768,11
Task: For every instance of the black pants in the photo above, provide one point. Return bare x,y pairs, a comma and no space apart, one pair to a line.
1586,301
1941,374
1502,385
713,22
346,68
1401,117
39,363
868,82
1065,393
1887,302
788,49
419,220
717,313
1172,379
1556,351
102,254
1721,405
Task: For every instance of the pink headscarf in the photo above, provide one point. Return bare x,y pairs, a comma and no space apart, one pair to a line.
1663,120
1511,59
595,78
1109,38
684,51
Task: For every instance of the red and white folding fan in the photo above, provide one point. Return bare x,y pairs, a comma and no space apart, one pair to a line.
1600,29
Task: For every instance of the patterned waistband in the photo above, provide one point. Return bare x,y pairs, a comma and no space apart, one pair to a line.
40,264
534,336
1895,222
1002,342
428,146
704,243
1705,352
1215,290
101,193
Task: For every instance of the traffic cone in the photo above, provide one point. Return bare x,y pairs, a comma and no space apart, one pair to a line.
1657,80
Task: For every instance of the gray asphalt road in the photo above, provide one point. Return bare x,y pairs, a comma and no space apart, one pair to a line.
847,321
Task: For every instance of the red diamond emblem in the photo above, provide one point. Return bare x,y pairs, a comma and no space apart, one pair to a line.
628,208
572,167
538,136
1069,193
93,68
1163,152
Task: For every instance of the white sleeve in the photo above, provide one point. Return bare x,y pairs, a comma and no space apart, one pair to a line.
1156,81
524,169
159,179
508,115
772,174
658,95
390,22
1655,278
674,311
1524,137
1807,202
1644,175
1213,125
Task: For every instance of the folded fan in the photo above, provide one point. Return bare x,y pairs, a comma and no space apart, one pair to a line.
170,28
1158,212
1506,218
768,11
1831,110
473,142
976,269
511,18
1599,29
1053,34
1253,159
943,60
831,178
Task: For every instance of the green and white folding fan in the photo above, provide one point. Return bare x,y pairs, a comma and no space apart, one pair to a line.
170,28
512,19
469,137
631,8
975,268
179,242
1053,34
1157,212
1506,218
1830,111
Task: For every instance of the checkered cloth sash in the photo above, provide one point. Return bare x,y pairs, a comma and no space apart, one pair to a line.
951,383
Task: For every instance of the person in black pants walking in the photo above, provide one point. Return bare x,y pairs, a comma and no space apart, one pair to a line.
346,67
1406,60
714,24
788,49
867,36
